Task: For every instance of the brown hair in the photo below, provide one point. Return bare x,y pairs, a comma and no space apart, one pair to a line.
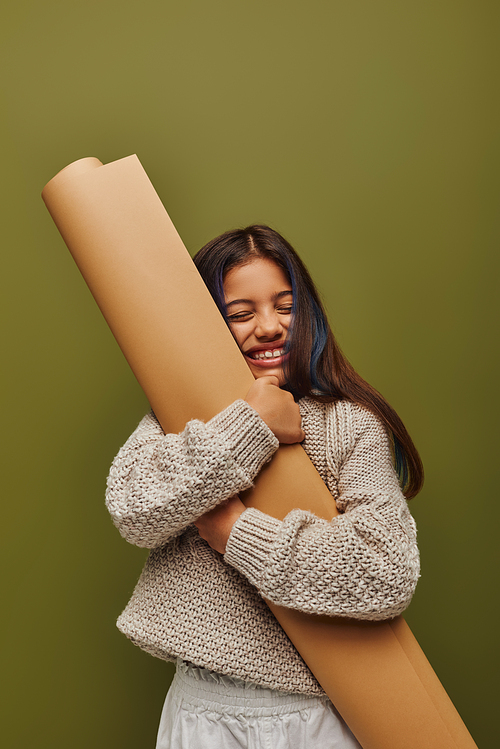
316,366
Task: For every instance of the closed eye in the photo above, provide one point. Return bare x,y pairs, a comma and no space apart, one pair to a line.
239,316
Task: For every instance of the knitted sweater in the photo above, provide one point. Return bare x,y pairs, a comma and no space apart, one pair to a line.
193,603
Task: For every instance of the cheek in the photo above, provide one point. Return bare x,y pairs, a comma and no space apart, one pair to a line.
238,334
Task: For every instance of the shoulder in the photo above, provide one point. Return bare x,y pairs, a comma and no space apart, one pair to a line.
343,424
348,417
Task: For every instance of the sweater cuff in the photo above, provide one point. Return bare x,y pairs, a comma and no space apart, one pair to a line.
251,442
250,543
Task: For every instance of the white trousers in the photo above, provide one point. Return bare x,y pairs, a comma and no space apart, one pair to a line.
204,710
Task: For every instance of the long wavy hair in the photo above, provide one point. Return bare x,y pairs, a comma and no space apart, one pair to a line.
316,366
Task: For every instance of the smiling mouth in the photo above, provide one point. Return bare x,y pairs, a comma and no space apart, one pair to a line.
266,355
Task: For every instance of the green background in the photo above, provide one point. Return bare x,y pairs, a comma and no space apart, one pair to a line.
367,133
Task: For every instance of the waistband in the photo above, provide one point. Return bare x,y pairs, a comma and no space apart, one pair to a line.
200,687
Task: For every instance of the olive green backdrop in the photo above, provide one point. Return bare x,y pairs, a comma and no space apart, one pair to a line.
367,133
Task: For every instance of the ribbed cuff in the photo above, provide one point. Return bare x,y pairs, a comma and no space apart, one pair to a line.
250,543
251,442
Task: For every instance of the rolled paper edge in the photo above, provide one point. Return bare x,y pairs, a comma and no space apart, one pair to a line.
80,166
431,683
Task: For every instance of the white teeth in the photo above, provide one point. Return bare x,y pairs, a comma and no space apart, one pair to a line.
268,354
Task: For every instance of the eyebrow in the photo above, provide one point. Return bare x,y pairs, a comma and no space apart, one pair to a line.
276,296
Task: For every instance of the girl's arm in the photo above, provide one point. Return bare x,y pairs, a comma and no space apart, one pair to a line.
161,483
362,564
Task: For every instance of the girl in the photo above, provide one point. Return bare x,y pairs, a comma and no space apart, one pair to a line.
239,681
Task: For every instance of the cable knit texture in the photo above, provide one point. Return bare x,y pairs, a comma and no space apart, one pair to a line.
192,603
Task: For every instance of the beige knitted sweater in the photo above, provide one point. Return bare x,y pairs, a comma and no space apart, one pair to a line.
192,603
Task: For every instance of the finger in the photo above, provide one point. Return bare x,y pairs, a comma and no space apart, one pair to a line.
271,380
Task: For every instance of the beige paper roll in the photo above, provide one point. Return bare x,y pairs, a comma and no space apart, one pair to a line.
168,327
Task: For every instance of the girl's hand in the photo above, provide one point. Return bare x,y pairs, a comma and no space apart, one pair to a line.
277,408
215,526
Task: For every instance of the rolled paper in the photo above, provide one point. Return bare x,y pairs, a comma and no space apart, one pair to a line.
175,339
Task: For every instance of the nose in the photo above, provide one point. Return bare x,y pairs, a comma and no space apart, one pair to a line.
269,325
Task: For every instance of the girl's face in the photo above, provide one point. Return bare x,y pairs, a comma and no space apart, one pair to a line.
259,298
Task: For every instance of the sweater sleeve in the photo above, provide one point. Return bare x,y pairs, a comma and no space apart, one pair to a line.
362,564
161,483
